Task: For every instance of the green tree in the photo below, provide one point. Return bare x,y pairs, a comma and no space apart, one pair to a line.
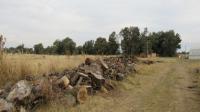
145,43
38,48
66,46
113,46
20,48
69,46
59,48
79,50
28,50
88,47
165,43
49,50
130,40
101,46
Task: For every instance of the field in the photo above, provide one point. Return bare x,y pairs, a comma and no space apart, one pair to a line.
17,66
172,85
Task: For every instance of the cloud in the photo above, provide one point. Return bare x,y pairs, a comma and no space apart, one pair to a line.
34,21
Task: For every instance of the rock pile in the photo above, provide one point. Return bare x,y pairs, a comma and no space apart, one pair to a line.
70,86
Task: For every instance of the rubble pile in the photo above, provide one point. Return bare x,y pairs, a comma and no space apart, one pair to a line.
69,87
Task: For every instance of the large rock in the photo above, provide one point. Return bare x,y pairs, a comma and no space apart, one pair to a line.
63,82
104,65
88,61
120,76
42,87
82,94
20,91
6,106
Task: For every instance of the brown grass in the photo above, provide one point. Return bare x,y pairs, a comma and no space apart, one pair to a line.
15,67
139,91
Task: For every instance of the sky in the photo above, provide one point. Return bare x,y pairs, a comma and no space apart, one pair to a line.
43,21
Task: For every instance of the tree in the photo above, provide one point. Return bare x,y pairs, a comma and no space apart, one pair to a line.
112,44
101,46
165,43
145,43
79,50
20,48
59,48
38,48
69,46
28,50
130,41
49,50
88,47
66,46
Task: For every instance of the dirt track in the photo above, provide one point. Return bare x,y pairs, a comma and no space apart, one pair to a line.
163,87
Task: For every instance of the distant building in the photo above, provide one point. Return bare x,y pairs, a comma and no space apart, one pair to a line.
194,54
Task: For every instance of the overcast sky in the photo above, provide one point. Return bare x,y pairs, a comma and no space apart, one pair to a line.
35,21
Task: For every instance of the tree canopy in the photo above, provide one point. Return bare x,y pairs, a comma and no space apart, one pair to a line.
113,46
66,46
165,43
38,48
133,42
88,47
101,46
130,40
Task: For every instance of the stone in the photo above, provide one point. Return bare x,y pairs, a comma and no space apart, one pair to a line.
6,106
63,82
20,91
120,76
42,87
105,66
82,94
88,61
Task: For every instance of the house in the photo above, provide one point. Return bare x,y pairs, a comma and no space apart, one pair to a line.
194,54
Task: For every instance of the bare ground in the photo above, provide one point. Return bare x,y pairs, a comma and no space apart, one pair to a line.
161,87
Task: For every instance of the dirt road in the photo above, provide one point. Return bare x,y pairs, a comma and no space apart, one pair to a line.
161,87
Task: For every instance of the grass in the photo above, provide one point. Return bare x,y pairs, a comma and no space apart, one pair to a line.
14,67
140,90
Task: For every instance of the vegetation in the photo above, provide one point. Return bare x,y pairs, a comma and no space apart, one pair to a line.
100,46
88,47
165,43
2,43
134,42
38,48
113,46
130,42
14,67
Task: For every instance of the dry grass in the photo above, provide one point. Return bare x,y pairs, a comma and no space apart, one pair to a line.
15,67
132,94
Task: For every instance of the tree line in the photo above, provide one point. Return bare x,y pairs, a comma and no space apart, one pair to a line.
129,41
